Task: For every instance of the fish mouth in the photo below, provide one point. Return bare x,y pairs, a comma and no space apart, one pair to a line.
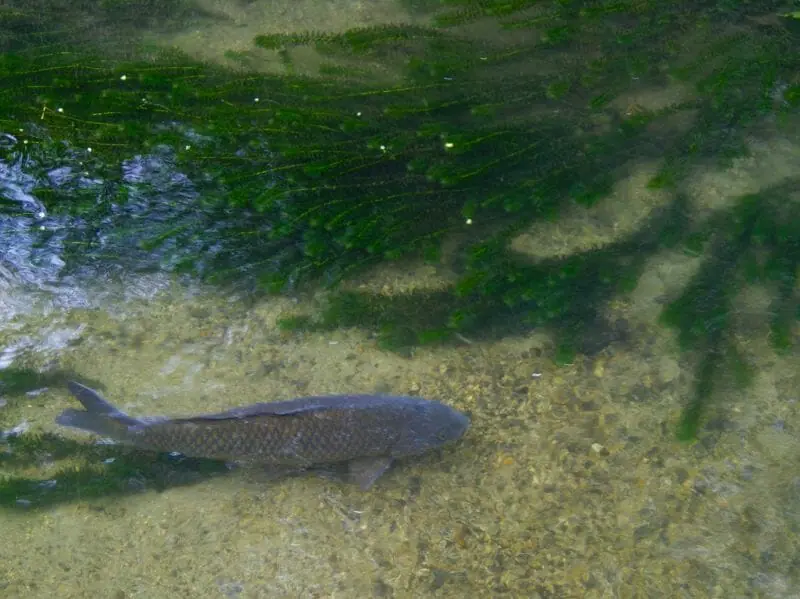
466,422
460,426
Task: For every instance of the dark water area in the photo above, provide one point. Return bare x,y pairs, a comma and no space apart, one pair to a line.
578,222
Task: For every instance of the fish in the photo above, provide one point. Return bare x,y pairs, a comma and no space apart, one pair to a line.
365,433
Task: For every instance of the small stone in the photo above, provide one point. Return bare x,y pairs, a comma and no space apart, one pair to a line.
381,589
440,577
668,369
599,368
507,460
460,536
231,589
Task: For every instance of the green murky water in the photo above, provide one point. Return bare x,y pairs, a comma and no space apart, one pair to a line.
571,482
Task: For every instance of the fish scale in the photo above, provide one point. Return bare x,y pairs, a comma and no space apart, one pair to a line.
366,431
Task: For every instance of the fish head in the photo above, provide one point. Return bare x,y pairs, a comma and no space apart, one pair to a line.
430,425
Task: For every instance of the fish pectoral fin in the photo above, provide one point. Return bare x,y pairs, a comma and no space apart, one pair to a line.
365,471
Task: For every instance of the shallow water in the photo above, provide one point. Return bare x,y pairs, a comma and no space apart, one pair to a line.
570,482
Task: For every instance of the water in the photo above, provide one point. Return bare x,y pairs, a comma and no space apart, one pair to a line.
570,483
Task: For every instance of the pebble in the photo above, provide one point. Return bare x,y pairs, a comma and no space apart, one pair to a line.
599,368
668,369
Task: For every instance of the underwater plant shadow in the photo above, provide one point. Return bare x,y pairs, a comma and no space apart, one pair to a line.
501,293
17,381
97,471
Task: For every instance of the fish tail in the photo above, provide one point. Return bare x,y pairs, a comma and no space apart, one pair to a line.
99,417
99,424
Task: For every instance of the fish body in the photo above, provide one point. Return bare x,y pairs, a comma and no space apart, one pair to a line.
366,431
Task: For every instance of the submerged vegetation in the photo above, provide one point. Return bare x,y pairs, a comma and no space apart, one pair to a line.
411,136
